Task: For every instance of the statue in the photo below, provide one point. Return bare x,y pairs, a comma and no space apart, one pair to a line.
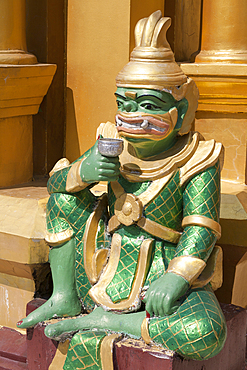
139,260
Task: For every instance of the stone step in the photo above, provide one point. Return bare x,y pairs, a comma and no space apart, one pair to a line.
13,350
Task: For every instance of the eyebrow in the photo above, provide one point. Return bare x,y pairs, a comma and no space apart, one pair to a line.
151,96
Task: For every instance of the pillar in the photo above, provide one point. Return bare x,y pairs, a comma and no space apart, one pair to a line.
224,32
13,47
220,72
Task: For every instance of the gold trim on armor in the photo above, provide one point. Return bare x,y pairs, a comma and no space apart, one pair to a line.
158,230
186,266
137,169
98,291
204,222
106,350
207,154
145,332
62,163
94,264
74,182
213,271
56,239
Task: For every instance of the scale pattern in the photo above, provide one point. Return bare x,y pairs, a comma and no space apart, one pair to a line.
84,351
197,330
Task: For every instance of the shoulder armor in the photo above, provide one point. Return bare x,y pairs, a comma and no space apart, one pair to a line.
206,155
62,163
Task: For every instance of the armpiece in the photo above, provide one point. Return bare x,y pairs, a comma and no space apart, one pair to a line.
204,222
187,267
74,182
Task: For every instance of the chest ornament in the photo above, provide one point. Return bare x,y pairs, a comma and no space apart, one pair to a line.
128,210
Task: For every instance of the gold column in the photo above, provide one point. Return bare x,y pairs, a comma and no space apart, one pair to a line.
13,48
220,72
224,32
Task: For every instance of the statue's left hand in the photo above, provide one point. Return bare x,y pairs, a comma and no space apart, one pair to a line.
162,296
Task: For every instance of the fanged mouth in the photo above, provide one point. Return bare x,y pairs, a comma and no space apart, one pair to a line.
141,125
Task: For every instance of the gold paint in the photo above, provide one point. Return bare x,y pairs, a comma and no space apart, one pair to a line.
15,293
98,291
152,61
56,239
136,169
216,155
239,291
90,240
13,48
60,356
62,163
130,94
144,331
222,87
117,189
158,230
74,182
16,150
154,188
224,32
213,272
113,224
186,266
232,132
128,209
106,351
202,221
16,281
16,269
22,88
99,261
22,226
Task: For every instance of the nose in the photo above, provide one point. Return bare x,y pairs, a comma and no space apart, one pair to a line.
130,106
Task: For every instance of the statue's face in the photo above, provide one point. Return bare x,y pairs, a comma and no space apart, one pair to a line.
149,119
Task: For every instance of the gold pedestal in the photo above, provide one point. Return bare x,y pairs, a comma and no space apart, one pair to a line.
22,248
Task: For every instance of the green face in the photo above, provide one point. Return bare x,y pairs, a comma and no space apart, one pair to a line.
149,119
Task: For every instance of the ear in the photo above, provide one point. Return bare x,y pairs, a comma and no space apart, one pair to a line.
182,107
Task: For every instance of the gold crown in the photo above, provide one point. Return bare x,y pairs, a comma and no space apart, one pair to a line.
152,65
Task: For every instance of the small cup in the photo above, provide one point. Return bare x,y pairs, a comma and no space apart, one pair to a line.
110,147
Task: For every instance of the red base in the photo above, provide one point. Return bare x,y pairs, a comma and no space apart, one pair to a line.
13,350
232,357
36,351
40,349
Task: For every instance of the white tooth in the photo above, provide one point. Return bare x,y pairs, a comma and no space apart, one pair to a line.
144,124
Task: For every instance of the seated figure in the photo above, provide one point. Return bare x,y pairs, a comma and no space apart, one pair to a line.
139,260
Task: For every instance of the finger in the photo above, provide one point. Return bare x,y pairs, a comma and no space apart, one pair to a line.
109,172
105,165
114,160
149,306
160,306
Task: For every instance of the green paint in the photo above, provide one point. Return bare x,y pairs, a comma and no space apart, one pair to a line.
151,102
64,300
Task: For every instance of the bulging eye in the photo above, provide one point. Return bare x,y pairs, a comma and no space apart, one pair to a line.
150,106
119,104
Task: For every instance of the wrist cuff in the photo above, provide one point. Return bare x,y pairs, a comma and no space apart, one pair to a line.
74,182
187,267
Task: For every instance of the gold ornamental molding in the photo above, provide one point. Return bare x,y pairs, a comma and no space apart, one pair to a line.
222,86
22,88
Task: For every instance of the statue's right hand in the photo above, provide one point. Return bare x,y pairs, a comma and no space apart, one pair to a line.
97,167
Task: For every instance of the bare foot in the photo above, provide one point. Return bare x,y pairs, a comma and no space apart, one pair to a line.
56,306
97,319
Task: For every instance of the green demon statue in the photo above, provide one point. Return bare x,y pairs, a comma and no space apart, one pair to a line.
141,259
